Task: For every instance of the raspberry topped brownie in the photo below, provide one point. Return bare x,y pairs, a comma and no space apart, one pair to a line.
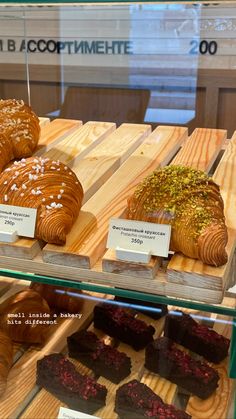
102,359
183,329
166,359
135,400
154,310
80,392
121,324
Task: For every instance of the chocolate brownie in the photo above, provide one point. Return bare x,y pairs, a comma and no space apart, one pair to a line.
121,324
135,400
59,376
102,359
183,329
153,310
164,358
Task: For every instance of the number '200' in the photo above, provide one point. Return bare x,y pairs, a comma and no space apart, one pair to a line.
203,47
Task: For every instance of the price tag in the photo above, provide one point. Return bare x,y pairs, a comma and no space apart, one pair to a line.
16,220
65,413
130,237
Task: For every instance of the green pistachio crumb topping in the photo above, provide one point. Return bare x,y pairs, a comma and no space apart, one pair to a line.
182,192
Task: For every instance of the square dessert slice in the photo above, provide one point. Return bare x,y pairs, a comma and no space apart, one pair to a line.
135,400
183,329
102,359
164,358
154,310
59,376
119,323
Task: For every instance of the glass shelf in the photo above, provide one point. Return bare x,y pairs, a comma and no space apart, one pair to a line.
210,308
76,2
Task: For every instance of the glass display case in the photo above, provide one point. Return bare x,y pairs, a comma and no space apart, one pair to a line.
121,89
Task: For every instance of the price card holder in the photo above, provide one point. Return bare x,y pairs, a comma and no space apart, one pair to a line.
16,221
133,256
8,236
65,413
136,241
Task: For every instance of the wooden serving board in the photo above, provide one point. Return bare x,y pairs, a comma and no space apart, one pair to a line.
21,379
43,121
201,149
54,132
184,270
217,406
137,152
87,240
80,142
93,170
83,138
24,400
100,163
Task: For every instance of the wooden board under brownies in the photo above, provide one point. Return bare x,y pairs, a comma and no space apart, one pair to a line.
23,399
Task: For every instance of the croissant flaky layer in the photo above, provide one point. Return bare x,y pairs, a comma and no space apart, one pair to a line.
19,130
6,359
25,317
191,203
51,187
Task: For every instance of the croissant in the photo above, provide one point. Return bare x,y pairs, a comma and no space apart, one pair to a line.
49,186
25,317
191,203
6,359
19,132
58,298
6,150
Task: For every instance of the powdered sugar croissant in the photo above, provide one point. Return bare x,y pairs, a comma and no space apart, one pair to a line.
49,186
190,201
19,130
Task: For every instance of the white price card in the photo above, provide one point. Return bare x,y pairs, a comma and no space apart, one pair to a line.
65,413
139,236
17,219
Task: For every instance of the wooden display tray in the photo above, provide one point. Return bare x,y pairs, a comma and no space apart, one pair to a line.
23,399
110,162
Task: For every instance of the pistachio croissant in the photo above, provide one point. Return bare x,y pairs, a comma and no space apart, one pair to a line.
49,186
190,201
19,130
6,359
25,317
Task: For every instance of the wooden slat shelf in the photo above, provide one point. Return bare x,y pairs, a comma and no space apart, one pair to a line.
110,162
